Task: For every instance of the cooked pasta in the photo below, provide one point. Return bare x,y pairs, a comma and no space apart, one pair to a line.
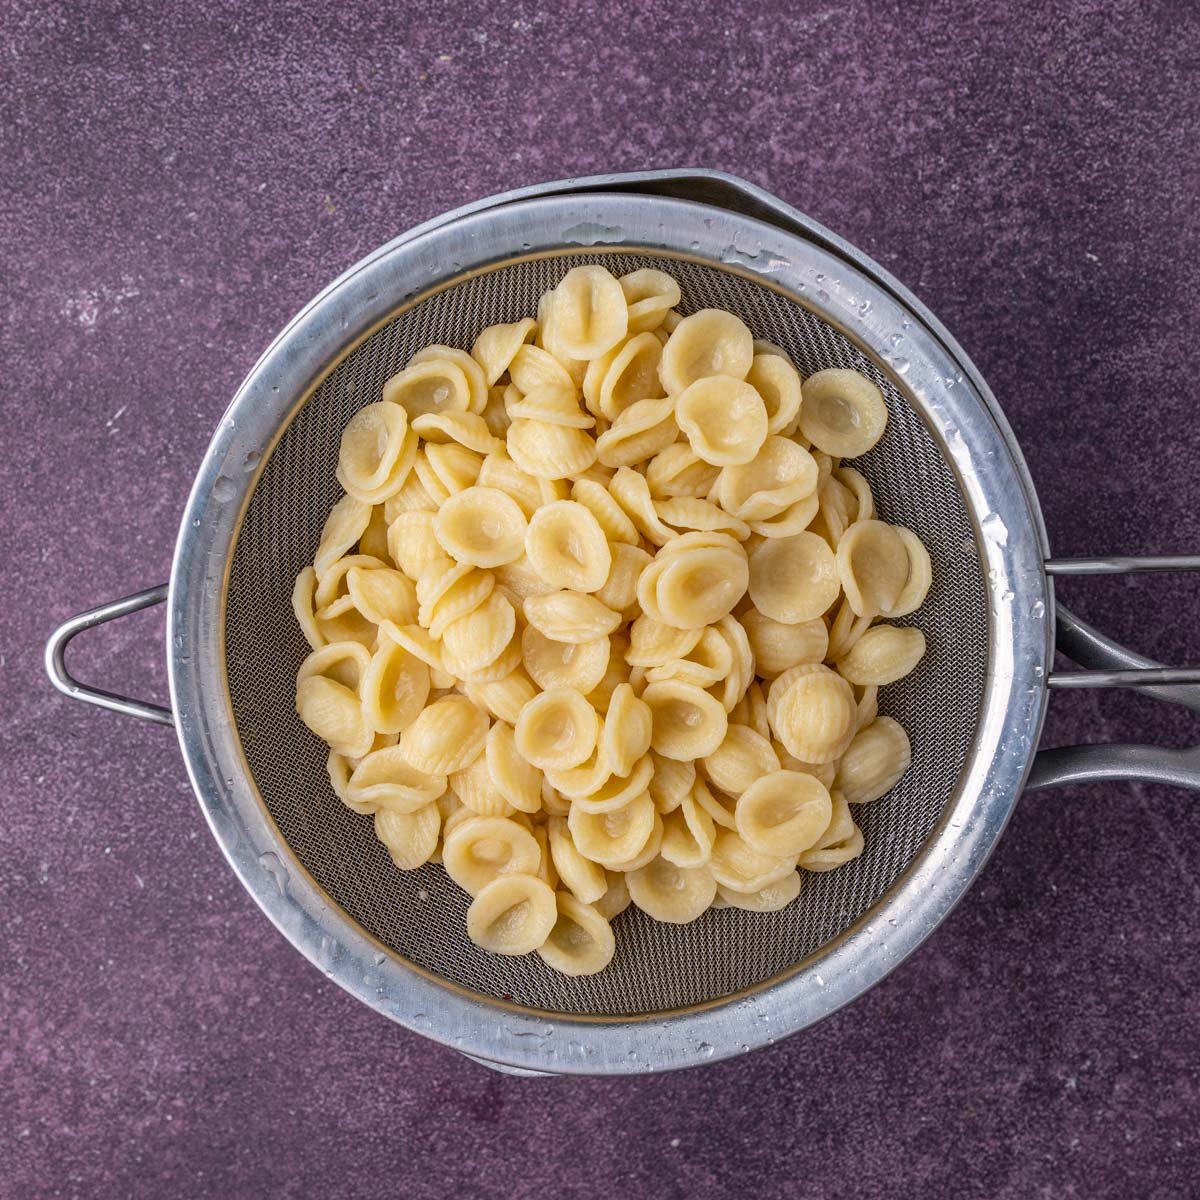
603,618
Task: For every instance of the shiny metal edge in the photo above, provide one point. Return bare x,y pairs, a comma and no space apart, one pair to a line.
984,455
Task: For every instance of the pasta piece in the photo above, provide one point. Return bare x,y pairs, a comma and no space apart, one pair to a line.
447,591
779,475
653,643
472,643
377,452
692,513
584,878
495,414
717,805
619,590
497,345
710,661
793,520
632,493
588,312
346,523
671,893
446,470
709,342
410,837
874,762
505,698
302,609
845,630
519,580
771,898
500,472
680,471
842,842
783,813
465,429
604,791
393,688
671,783
557,729
482,849
577,665
650,295
385,779
696,583
514,914
474,788
688,723
638,433
724,420
868,706
571,616
436,385
549,451
412,497
778,646
882,655
920,575
856,486
793,579
447,736
842,412
689,833
812,712
778,383
534,369
872,564
615,836
481,526
742,758
382,595
627,731
616,899
512,775
373,542
738,867
581,942
567,546
327,698
476,382
609,515
618,673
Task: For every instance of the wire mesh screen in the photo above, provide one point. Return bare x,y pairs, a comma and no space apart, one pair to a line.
421,914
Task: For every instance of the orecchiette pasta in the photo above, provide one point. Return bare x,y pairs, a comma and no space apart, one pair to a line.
596,620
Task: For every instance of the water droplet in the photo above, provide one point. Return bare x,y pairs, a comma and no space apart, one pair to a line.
252,459
693,245
325,950
379,959
1037,610
901,365
864,308
994,529
270,862
706,1049
745,1049
223,490
422,894
591,233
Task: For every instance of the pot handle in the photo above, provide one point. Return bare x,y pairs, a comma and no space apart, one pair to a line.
1110,664
56,662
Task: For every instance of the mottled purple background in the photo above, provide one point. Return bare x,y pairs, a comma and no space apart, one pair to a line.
177,179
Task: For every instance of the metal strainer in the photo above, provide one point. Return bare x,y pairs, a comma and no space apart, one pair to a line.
673,996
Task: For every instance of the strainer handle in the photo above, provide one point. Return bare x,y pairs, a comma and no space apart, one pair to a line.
1116,665
56,660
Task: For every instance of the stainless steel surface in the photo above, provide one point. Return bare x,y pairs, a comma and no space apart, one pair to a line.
674,997
929,841
1123,565
61,677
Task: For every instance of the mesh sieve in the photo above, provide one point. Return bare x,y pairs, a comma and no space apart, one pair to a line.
421,915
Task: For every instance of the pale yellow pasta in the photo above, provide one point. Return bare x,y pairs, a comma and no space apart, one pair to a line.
549,451
842,412
588,312
445,470
446,736
771,898
608,514
874,762
571,616
497,345
873,566
751,711
778,383
627,730
447,591
435,385
668,892
417,642
481,526
512,775
709,342
618,673
619,590
793,520
841,843
689,833
581,941
584,878
576,665
742,758
812,712
557,729
465,429
680,471
327,698
302,609
632,493
784,813
920,575
778,645
779,475
498,471
505,663
376,452
694,581
567,547
653,643
716,804
648,852
844,630
393,688
688,723
692,513
724,420
412,497
708,662
514,914
474,642
374,538
638,433
386,779
793,579
505,698
884,654
626,376
474,788
519,580
588,777
476,381
738,867
616,899
410,837
481,849
671,782
382,595
615,836
650,295
346,523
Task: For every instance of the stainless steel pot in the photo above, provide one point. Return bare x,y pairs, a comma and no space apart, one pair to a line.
949,467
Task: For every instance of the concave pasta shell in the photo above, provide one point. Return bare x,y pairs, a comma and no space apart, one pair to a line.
691,512
632,493
497,345
920,575
371,445
571,616
652,643
671,893
671,783
512,775
699,587
884,654
504,698
343,527
737,866
873,566
619,590
793,579
709,342
581,942
783,813
474,788
589,312
778,645
577,665
771,898
778,383
460,428
638,434
842,412
500,472
780,474
476,382
567,546
688,835
584,878
386,779
473,642
334,713
616,790
609,515
481,849
688,723
435,385
742,758
680,471
557,729
550,451
446,736
874,762
614,836
393,688
482,526
812,712
410,837
625,737
724,420
514,914
382,595
650,294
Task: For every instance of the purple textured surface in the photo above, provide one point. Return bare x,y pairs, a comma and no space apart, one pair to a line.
179,178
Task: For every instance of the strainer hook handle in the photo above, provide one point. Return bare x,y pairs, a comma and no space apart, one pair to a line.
61,677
